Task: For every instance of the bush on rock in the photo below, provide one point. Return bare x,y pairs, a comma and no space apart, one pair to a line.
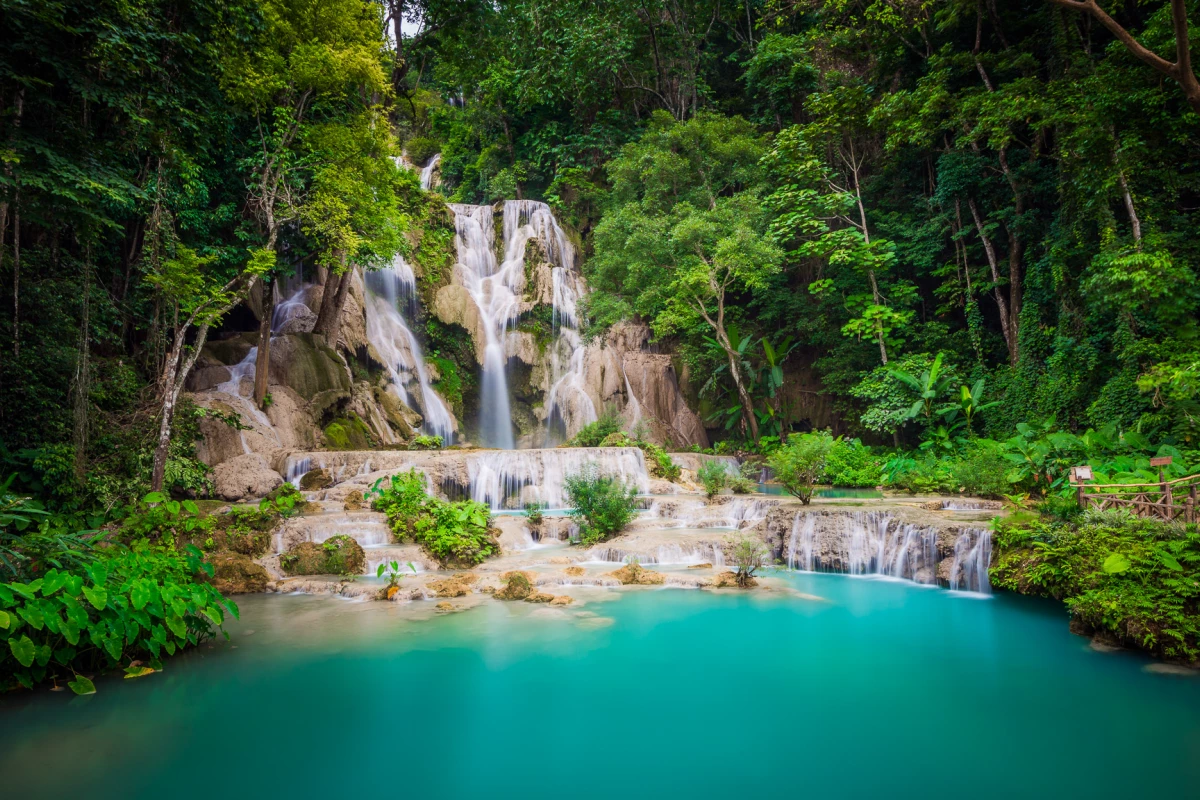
337,555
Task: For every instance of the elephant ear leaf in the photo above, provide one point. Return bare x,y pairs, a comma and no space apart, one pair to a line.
82,685
23,650
1116,563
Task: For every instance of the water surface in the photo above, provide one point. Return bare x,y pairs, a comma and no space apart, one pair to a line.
880,689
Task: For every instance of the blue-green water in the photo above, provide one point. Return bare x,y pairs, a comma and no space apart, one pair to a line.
881,689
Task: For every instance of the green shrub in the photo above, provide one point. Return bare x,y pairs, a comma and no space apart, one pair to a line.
533,512
1130,580
426,443
592,434
851,463
456,534
800,462
924,475
982,470
602,505
125,604
348,433
420,149
713,476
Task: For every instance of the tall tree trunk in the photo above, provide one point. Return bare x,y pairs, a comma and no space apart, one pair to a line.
990,249
262,360
17,276
173,378
324,322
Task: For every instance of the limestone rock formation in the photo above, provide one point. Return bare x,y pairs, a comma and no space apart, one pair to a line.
236,573
246,476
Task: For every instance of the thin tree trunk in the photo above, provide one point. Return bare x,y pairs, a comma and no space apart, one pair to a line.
262,360
335,330
1129,207
177,378
990,249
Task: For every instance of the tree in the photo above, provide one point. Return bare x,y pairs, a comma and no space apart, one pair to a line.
749,556
1180,70
799,463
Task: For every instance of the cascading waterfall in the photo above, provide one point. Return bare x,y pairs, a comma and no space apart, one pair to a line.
388,291
514,478
427,172
875,543
972,556
495,290
233,388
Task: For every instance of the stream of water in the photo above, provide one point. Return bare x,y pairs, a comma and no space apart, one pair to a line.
877,689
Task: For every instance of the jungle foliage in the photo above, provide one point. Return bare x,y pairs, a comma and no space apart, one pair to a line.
455,533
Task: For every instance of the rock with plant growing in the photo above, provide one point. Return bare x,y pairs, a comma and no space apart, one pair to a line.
748,555
602,505
337,555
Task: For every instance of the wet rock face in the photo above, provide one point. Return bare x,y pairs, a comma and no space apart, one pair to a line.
315,479
245,476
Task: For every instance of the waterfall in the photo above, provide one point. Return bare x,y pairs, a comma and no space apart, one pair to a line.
503,479
972,556
875,543
388,333
495,290
233,388
427,172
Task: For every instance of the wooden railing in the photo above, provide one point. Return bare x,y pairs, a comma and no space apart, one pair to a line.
1166,500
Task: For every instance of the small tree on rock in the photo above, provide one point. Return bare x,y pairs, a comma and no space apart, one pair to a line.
800,462
749,555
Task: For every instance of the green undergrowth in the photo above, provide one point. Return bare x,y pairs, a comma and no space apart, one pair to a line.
455,533
601,505
1127,581
348,433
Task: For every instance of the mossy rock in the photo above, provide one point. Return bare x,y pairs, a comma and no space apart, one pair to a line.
236,573
315,479
338,555
518,585
348,433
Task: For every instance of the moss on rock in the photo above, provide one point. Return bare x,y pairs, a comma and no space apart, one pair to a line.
236,573
348,433
338,555
518,585
316,479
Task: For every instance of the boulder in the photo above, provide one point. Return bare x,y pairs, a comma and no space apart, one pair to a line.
562,600
315,479
337,555
236,573
539,597
458,585
354,501
575,572
728,580
518,585
246,475
636,575
304,322
312,369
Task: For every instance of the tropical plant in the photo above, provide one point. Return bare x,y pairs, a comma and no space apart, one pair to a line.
425,442
391,571
602,505
713,476
455,533
799,463
127,607
928,386
970,402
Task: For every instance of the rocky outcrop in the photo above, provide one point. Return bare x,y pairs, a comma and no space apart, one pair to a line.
245,476
337,555
453,305
237,573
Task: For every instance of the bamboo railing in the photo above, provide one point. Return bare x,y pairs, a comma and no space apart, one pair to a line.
1171,501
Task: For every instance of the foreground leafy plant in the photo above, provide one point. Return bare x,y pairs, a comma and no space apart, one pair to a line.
131,604
713,476
1134,582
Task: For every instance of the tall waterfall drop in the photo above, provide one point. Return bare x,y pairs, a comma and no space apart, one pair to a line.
390,290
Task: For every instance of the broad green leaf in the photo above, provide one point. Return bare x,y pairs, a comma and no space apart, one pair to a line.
26,590
1169,561
74,585
33,615
141,594
1116,563
52,581
175,623
5,620
23,650
97,596
99,574
154,497
138,672
6,595
82,685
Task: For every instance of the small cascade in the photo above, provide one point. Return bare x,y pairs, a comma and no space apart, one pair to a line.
972,556
233,388
296,468
869,543
427,172
510,479
665,556
495,290
388,289
737,513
